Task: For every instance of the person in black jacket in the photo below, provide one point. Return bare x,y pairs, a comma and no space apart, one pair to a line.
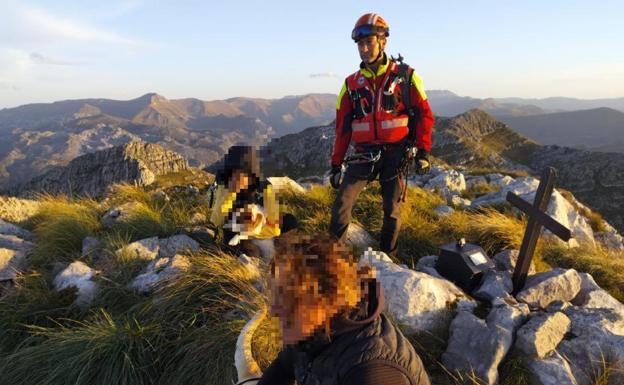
333,328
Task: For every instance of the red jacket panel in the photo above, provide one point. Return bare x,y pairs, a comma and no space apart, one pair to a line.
378,126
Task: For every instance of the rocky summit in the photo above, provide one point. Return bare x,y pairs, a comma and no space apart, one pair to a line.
136,162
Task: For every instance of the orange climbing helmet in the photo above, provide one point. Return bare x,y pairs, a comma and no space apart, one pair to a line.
368,25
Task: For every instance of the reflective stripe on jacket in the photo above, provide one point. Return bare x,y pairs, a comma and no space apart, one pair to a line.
363,90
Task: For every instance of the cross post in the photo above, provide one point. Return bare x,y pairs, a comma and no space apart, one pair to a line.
537,219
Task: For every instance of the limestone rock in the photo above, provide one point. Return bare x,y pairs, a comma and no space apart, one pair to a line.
595,335
7,228
458,201
610,240
542,289
551,370
472,181
158,271
495,284
78,275
14,242
427,265
480,345
421,302
506,261
449,180
500,180
443,210
177,244
90,245
558,306
91,174
426,261
358,237
541,334
592,296
284,183
202,234
120,214
146,249
11,262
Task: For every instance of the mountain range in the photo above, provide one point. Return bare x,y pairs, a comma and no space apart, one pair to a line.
477,140
37,137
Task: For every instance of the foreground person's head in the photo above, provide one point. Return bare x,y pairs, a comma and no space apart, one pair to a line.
312,280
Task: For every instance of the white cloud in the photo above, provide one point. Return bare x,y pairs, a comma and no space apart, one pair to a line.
25,27
38,58
44,23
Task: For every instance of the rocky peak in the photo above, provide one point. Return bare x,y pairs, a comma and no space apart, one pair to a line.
135,162
474,124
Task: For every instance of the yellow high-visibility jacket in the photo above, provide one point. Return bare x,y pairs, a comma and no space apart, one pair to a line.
224,202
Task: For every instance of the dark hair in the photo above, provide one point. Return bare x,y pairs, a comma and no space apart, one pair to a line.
242,158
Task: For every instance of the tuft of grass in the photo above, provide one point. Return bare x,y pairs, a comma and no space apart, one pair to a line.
514,371
60,225
478,190
123,192
266,342
495,231
312,210
31,302
101,351
606,370
197,308
191,176
606,270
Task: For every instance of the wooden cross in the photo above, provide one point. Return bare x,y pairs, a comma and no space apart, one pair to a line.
537,219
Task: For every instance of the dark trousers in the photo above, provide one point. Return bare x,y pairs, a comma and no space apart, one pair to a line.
355,180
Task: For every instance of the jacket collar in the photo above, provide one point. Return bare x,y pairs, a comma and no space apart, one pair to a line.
383,67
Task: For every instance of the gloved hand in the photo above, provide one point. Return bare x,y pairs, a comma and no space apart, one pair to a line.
421,162
335,176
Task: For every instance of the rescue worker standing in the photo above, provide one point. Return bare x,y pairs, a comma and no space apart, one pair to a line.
384,110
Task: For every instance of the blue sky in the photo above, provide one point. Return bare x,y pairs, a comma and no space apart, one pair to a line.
54,50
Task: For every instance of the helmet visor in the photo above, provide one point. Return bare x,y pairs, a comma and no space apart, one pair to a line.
363,31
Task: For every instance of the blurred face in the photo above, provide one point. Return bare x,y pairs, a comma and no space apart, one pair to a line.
370,47
238,181
298,298
299,307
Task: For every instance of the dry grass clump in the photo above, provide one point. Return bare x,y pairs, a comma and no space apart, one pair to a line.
495,231
99,351
184,332
478,190
31,302
148,214
60,225
607,270
191,176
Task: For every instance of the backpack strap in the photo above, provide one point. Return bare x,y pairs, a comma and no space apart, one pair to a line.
405,72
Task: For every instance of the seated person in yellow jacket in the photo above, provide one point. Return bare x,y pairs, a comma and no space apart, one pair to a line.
245,206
